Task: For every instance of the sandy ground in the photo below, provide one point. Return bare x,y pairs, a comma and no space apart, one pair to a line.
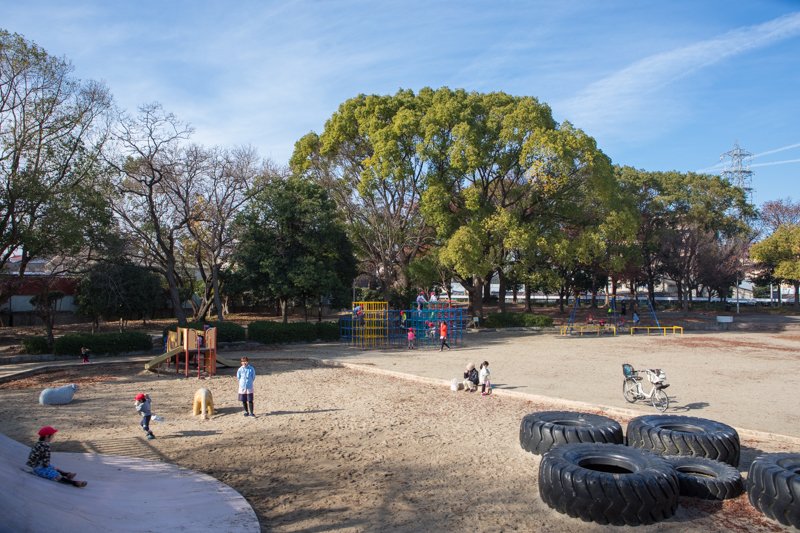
336,448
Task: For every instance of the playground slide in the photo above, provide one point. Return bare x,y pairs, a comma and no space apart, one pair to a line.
227,362
157,360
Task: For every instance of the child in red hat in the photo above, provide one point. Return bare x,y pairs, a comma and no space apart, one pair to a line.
39,460
143,407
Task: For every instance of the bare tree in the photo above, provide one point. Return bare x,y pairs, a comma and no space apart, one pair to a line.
156,181
52,129
230,179
775,213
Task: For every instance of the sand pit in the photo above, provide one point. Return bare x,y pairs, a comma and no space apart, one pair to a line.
334,448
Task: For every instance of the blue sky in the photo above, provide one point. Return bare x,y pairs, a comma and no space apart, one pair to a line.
661,85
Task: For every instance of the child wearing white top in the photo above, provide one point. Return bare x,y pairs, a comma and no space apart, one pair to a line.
483,379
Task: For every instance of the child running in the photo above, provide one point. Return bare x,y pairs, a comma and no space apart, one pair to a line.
443,335
39,460
144,408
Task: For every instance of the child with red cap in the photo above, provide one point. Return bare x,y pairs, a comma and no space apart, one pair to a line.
143,407
39,460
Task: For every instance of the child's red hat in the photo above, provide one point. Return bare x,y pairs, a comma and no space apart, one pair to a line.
139,397
47,430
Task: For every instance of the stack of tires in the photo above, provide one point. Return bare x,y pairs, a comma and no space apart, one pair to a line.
588,472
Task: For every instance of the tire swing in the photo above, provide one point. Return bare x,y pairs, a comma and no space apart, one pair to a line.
699,477
608,484
541,431
773,487
685,435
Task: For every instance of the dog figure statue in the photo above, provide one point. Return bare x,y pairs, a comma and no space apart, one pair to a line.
58,395
203,403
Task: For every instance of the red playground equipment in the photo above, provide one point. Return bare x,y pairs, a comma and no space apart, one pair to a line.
190,348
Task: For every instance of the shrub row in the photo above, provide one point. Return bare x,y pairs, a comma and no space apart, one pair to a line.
103,343
267,332
506,320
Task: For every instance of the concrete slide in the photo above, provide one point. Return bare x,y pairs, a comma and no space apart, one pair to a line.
226,362
164,357
123,494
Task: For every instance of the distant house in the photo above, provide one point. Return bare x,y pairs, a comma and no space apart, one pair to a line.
16,293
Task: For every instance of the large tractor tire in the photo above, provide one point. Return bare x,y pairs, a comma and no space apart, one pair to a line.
773,487
608,484
685,435
699,477
541,431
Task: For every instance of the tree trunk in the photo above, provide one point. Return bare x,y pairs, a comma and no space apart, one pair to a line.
501,294
474,288
528,307
174,295
284,303
796,293
217,296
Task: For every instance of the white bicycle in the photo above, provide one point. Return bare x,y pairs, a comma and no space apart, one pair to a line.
632,386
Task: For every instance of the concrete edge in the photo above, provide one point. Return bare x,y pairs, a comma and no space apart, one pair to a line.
573,404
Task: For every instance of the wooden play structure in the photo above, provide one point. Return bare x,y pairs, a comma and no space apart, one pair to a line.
191,349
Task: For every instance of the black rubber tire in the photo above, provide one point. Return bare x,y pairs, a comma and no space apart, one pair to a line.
773,487
685,435
699,477
608,484
540,431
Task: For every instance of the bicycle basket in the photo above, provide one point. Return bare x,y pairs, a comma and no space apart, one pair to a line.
628,370
657,376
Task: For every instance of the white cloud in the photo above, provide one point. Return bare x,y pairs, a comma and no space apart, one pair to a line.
611,105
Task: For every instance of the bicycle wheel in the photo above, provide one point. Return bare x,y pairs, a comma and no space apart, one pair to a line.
660,400
629,390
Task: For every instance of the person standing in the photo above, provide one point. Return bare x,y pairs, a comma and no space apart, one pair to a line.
246,376
484,380
411,338
85,354
443,335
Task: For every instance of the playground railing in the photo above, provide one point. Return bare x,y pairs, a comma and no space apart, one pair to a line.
590,328
674,329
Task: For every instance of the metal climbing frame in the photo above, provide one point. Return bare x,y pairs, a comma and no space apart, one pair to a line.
373,325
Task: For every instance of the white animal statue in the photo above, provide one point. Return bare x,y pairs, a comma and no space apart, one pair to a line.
203,403
58,395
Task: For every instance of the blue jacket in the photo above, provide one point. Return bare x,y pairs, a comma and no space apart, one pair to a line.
246,376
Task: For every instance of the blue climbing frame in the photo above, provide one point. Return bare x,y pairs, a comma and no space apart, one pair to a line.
388,328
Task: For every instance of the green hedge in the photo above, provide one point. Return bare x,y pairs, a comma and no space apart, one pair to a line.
507,320
268,332
226,331
35,345
103,343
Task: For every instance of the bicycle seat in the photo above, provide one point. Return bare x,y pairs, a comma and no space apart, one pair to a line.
661,385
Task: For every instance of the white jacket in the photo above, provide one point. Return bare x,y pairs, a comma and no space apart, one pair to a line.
483,375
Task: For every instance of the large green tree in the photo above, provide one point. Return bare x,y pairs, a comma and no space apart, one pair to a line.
291,244
780,253
369,158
